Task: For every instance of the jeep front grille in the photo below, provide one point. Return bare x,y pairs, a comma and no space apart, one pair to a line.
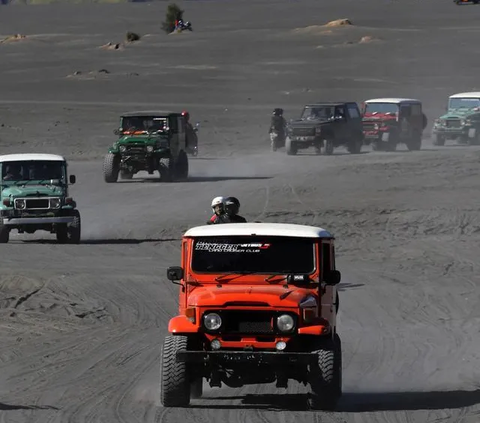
303,132
37,203
135,148
452,123
248,322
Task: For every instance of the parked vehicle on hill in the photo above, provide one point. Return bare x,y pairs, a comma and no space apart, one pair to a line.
257,304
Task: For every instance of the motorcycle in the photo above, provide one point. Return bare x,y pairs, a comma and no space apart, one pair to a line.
184,26
277,140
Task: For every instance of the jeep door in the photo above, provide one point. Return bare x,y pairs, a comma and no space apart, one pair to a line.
355,124
405,118
341,124
416,117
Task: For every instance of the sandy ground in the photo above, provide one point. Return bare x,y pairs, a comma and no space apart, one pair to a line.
81,326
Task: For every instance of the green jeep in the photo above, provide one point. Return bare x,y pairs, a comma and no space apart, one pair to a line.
461,122
148,141
34,196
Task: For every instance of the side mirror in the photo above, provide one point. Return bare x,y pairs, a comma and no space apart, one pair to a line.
116,132
333,277
175,273
73,179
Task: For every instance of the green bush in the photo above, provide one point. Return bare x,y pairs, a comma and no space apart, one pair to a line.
173,13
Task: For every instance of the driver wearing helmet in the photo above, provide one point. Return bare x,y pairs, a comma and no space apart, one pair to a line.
190,133
218,209
232,207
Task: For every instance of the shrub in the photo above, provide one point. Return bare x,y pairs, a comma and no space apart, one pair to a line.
173,13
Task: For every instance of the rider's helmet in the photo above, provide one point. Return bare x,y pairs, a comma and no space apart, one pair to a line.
218,205
186,115
278,111
232,206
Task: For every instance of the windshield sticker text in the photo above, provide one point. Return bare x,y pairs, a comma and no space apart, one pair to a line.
213,247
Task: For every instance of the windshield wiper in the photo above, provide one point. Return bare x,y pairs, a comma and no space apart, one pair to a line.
239,274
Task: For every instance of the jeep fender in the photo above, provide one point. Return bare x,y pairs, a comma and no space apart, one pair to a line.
181,324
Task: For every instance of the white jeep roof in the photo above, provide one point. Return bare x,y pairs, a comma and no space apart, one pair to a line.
392,100
24,157
263,229
472,94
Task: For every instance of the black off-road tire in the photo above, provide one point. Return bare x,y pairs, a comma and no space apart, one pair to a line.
181,167
355,146
326,375
329,146
438,140
4,233
70,233
167,169
290,147
174,378
111,168
415,143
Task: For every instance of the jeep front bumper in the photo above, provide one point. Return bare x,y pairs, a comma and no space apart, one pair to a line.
14,221
463,131
297,138
376,135
258,357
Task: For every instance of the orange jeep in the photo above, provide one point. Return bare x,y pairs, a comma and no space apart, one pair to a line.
257,304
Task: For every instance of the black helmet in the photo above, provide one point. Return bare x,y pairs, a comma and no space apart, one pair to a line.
278,111
232,205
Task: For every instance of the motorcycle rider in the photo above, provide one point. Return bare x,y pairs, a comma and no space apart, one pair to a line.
218,209
232,207
190,133
278,124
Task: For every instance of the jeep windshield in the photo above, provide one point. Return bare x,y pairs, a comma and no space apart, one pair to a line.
264,255
318,112
31,172
463,103
381,108
144,123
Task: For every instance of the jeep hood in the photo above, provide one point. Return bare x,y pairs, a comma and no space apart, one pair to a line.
273,295
32,191
299,123
458,113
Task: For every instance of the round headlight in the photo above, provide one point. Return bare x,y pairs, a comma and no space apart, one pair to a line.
122,148
285,323
20,204
212,321
55,203
149,148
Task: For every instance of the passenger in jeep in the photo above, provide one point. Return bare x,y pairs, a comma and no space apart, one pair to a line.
232,207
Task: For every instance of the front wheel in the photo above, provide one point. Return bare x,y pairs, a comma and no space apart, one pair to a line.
174,378
290,147
70,233
329,147
111,168
326,375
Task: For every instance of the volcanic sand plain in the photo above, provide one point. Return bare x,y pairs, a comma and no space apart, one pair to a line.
82,325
